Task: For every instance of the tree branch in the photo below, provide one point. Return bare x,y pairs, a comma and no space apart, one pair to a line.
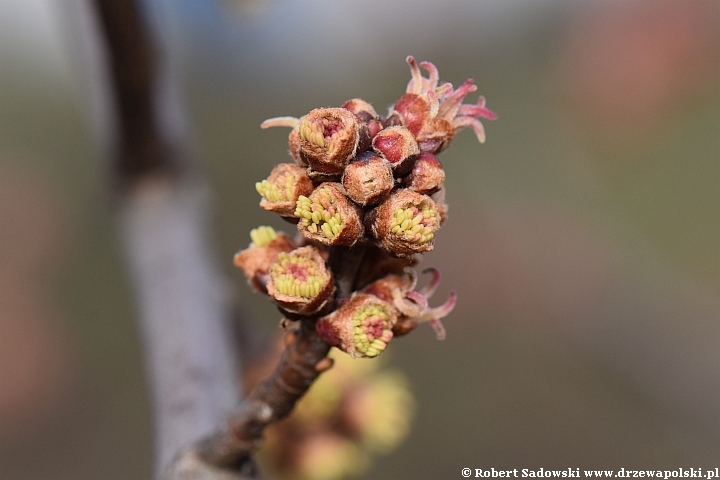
304,359
183,307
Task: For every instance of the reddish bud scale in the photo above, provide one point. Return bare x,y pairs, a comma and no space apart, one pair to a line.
366,113
389,287
255,261
427,175
413,109
398,146
436,136
300,282
361,327
405,223
329,217
361,108
283,187
329,139
368,179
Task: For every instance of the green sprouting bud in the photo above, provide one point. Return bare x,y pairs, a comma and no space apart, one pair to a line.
362,327
329,217
415,225
300,282
319,215
255,261
370,332
262,235
280,191
405,223
296,276
329,139
274,192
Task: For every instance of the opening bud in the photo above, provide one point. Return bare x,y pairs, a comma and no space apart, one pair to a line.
434,112
362,327
411,304
368,179
397,144
300,282
329,217
427,175
366,113
405,223
281,190
255,261
329,139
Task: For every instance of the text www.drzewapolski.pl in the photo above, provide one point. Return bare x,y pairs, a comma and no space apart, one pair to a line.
707,474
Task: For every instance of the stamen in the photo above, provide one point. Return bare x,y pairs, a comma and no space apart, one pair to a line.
319,214
372,329
262,235
291,122
297,276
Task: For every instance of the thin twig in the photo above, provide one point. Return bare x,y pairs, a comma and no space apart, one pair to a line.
304,359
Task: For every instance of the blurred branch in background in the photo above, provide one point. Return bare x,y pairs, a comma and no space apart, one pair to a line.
182,304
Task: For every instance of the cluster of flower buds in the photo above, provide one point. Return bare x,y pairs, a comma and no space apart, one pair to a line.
364,181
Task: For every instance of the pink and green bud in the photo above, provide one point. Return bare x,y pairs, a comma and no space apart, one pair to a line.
412,305
329,139
368,179
255,261
397,144
405,223
427,175
280,192
329,217
300,282
362,327
434,112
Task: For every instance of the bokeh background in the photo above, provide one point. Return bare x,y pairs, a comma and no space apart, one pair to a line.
583,238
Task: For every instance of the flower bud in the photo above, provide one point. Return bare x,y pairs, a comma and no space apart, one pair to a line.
328,217
398,146
283,187
366,113
412,305
362,327
300,282
255,260
427,175
368,179
361,108
405,223
434,113
329,139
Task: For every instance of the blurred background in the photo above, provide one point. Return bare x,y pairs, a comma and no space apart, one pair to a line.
583,239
